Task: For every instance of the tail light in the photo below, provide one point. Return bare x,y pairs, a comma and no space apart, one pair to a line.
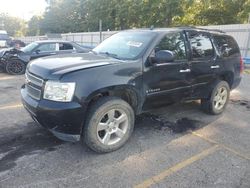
241,65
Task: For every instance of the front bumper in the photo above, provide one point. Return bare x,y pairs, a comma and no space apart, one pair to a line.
2,62
64,120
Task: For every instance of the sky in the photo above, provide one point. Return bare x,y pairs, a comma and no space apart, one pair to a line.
22,8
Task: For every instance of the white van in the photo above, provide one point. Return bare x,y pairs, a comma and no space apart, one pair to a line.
4,39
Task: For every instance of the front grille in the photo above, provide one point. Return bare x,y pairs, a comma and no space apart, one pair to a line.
34,86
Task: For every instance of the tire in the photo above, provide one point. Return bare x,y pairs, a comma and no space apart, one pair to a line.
218,100
109,124
15,67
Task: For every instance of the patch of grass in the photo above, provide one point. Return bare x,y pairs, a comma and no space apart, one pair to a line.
247,71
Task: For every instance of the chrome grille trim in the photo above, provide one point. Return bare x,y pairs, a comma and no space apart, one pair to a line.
33,79
34,86
33,92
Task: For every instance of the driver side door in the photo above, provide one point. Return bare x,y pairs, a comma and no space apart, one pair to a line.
167,82
45,49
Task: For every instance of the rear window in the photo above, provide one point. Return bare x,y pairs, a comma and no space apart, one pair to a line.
227,46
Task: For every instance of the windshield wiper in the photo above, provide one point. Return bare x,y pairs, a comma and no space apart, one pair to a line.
110,55
94,52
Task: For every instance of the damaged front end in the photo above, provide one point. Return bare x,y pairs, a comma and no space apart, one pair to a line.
6,54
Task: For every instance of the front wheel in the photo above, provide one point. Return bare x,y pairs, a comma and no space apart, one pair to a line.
218,99
15,67
109,125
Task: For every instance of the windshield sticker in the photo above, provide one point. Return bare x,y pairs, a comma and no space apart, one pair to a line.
134,44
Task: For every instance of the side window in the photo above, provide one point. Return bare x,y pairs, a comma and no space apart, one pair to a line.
227,46
65,46
49,47
173,42
201,45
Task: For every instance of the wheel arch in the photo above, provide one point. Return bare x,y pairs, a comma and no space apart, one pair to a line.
228,77
127,93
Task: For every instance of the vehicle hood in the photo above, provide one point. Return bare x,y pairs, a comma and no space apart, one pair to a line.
53,67
10,50
2,51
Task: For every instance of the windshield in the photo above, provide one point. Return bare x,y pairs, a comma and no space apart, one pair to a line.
125,45
4,37
29,47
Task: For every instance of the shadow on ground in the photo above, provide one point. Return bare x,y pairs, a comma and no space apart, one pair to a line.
13,147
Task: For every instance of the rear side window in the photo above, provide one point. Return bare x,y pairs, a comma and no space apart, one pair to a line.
227,46
201,45
65,46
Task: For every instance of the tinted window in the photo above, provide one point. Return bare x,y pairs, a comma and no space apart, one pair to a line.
30,47
47,47
65,46
201,45
173,42
227,46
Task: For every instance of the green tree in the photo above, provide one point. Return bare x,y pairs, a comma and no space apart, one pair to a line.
34,26
64,16
14,26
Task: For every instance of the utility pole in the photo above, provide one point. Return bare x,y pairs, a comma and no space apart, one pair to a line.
248,40
100,29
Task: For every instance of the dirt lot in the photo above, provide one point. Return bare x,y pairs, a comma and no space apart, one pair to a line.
177,146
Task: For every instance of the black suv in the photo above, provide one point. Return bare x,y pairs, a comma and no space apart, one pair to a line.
95,96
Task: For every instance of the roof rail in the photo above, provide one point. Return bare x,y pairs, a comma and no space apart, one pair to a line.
200,28
204,29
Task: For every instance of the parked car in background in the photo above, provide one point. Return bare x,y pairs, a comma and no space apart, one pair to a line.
96,95
14,61
4,39
18,44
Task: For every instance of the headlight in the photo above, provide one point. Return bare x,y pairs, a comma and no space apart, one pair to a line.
57,91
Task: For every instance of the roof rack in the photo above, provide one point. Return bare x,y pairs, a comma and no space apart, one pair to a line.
216,30
204,29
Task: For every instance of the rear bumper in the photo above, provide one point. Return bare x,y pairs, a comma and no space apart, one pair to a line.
236,82
64,120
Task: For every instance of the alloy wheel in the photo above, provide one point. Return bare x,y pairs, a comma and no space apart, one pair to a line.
220,98
112,127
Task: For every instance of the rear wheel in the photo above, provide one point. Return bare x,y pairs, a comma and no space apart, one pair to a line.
109,124
218,99
15,67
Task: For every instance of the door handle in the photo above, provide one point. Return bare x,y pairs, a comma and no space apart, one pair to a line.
52,53
186,70
215,67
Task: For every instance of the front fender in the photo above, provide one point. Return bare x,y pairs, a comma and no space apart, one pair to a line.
90,82
23,58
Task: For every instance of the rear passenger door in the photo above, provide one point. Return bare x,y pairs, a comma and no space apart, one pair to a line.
202,61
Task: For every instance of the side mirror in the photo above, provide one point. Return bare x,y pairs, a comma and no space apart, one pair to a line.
37,51
163,56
